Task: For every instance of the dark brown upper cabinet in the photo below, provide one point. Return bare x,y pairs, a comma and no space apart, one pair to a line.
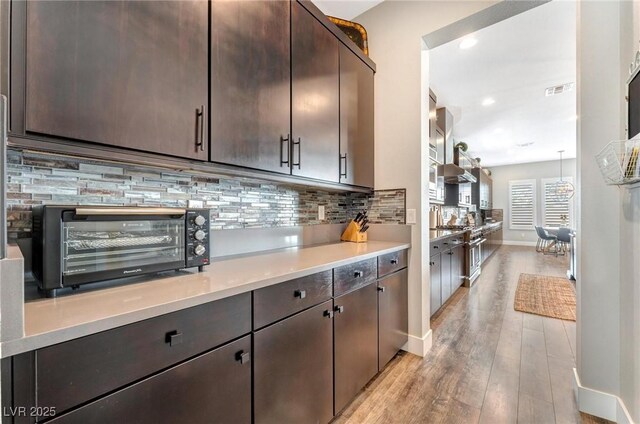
356,120
122,73
250,84
315,98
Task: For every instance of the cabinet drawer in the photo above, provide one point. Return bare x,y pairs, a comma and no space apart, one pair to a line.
353,276
276,302
74,372
212,388
391,262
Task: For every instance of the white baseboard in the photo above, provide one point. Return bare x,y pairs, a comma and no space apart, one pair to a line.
519,243
622,414
600,404
419,345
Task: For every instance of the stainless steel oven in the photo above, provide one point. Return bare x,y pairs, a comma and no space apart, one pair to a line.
474,258
86,244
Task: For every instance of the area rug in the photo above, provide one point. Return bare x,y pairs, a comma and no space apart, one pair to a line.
553,297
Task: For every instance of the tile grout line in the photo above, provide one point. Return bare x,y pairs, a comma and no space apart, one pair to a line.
573,354
504,313
546,357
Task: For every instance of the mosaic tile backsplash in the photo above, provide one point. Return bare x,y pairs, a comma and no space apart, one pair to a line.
37,178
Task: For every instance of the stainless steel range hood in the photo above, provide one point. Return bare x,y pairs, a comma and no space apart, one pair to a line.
453,174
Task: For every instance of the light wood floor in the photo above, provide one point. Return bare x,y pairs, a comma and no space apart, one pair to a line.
488,363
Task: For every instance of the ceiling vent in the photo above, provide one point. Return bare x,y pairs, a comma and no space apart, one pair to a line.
559,89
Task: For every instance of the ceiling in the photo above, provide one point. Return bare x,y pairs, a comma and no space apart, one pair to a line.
345,9
513,62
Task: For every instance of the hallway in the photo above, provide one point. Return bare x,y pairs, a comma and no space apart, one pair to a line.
488,364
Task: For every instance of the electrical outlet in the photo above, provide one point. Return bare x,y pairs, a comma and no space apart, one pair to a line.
411,216
321,212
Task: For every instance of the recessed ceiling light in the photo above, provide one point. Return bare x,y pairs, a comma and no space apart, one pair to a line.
498,130
488,101
468,42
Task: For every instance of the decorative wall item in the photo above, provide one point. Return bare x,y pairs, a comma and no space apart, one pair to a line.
354,31
38,178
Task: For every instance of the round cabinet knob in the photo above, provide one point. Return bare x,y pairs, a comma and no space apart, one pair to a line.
199,220
199,235
199,250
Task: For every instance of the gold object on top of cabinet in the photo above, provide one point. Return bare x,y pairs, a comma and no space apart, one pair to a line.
354,31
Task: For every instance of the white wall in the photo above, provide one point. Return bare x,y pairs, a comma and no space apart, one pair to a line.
501,176
629,242
600,101
395,29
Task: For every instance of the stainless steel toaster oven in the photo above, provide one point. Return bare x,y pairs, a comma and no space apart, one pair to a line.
73,245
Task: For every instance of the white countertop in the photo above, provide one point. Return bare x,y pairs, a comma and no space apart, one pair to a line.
51,321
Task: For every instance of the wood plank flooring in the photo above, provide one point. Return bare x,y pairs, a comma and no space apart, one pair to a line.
488,364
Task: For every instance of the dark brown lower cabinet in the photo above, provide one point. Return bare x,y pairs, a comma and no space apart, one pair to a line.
355,329
436,282
457,268
293,369
393,316
445,275
212,388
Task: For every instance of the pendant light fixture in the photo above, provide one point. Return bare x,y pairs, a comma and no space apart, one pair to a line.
562,190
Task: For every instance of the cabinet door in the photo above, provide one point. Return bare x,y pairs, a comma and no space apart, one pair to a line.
393,316
436,289
432,123
293,368
124,73
356,342
446,275
212,388
440,144
315,103
250,84
457,268
490,192
356,120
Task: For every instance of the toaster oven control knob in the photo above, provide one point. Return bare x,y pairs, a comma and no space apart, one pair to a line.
199,221
199,235
199,250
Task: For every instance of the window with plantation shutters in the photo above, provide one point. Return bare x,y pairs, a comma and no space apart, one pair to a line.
522,204
555,212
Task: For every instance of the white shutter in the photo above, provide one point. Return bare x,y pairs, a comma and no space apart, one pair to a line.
552,209
522,204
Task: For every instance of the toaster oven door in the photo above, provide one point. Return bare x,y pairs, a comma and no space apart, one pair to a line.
100,246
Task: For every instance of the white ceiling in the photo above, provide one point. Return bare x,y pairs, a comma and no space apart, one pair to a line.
513,63
345,9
